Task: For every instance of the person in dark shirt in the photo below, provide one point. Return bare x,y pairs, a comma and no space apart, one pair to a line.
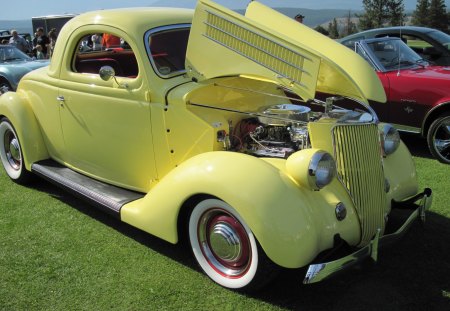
42,40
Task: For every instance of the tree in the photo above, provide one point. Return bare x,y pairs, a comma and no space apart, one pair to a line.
333,29
396,13
378,13
420,15
350,26
322,30
438,17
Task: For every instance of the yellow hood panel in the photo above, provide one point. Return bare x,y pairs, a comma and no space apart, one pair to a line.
270,45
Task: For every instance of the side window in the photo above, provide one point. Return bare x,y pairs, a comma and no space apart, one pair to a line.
167,50
96,50
415,43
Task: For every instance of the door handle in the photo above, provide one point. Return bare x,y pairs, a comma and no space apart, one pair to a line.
60,98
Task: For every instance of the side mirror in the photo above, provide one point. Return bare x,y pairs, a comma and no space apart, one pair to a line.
106,73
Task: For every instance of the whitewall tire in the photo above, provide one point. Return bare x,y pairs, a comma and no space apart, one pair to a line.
11,152
225,248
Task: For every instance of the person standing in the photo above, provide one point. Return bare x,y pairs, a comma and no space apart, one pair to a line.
52,36
299,18
42,40
18,41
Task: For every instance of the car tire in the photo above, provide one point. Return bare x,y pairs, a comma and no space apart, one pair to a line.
11,153
4,86
226,249
438,138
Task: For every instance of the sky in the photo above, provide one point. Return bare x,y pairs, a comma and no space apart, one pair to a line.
25,9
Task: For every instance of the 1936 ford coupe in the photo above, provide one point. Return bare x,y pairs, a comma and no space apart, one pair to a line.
185,127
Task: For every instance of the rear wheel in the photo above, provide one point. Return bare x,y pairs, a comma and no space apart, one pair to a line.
226,249
438,138
4,86
11,153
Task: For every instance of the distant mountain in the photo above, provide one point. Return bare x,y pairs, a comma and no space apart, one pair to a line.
310,4
313,17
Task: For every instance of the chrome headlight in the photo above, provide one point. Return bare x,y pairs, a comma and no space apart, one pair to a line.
311,168
390,139
322,168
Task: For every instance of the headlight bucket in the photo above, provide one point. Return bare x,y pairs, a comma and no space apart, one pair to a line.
311,168
390,139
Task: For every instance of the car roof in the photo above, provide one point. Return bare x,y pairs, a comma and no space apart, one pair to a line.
376,31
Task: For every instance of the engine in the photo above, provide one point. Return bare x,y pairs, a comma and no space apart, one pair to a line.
278,131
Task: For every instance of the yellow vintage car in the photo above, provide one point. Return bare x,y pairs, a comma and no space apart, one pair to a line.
205,125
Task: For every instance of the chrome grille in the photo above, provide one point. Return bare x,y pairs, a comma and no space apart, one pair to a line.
359,166
266,52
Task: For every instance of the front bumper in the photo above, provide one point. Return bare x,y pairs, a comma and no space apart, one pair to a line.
320,271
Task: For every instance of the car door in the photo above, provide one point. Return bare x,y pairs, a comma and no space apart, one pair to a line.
105,124
406,100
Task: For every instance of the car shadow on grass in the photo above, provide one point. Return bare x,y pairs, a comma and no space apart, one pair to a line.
412,274
417,145
175,252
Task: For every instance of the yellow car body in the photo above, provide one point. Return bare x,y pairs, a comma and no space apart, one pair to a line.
166,136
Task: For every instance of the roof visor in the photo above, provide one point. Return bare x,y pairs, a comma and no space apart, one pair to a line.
269,45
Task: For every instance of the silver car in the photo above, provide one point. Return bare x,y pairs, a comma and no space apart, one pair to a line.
14,64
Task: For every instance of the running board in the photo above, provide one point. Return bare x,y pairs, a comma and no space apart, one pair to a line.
104,196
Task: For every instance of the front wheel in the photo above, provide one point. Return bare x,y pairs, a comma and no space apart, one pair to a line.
438,138
226,249
11,153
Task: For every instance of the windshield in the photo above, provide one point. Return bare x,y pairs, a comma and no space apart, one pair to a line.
395,54
10,53
441,37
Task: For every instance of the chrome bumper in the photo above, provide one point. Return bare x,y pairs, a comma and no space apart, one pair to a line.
320,271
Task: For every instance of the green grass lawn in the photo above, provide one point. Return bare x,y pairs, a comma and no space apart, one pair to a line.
58,253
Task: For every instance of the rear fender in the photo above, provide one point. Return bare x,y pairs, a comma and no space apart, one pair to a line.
16,108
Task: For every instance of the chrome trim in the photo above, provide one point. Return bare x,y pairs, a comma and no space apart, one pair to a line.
321,271
406,128
362,185
147,47
313,166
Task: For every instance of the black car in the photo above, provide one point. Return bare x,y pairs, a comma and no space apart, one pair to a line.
431,44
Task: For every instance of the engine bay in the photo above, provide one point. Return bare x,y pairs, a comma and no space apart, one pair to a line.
280,130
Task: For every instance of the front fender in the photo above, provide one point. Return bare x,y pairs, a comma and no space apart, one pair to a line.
16,108
400,172
288,221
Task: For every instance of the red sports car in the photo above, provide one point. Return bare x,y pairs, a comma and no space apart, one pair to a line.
418,93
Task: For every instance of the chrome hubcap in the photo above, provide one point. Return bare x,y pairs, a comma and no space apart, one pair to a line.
224,243
12,150
442,139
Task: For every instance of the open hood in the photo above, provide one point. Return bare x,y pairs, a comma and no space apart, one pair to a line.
269,45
